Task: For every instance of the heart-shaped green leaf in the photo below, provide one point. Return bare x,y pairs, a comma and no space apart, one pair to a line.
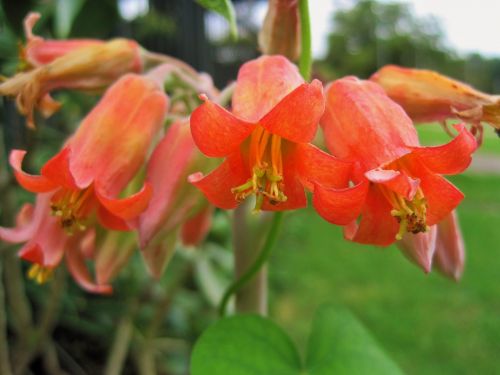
340,345
244,345
252,345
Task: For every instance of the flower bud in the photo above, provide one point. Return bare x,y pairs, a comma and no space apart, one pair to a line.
280,33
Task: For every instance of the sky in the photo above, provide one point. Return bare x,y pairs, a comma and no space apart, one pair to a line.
470,26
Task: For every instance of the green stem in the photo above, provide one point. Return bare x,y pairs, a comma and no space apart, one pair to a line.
305,61
257,265
4,344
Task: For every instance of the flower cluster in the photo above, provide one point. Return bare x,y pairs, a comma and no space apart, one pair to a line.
127,170
378,182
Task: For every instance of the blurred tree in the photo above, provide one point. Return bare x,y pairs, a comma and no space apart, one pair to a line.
372,34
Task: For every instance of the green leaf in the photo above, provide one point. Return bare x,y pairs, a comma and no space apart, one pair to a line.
253,345
64,14
245,345
340,345
225,9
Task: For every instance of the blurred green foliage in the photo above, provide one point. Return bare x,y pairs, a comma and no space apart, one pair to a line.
372,34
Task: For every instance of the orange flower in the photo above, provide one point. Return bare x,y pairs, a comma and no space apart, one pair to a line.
102,157
46,244
429,96
265,139
176,206
398,184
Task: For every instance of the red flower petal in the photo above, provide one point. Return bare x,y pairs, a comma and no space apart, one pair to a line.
127,208
57,170
216,131
451,158
441,196
32,252
76,265
296,117
340,206
217,184
35,184
313,165
261,85
109,221
396,181
377,226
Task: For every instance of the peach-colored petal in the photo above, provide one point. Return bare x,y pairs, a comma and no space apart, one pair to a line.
361,123
262,83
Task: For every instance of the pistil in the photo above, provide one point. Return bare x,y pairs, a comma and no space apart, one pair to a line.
410,214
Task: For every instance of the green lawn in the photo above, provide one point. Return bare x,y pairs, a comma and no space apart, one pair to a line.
428,324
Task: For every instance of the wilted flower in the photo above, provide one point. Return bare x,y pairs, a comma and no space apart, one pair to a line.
265,139
89,66
102,157
175,203
398,184
429,96
39,51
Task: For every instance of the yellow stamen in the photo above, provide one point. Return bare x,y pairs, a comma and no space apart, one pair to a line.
411,215
71,207
266,181
40,273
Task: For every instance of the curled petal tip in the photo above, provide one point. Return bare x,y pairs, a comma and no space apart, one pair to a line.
203,97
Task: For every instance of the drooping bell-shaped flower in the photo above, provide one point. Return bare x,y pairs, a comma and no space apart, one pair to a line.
398,187
102,157
265,139
441,246
77,65
176,206
46,243
426,95
450,248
